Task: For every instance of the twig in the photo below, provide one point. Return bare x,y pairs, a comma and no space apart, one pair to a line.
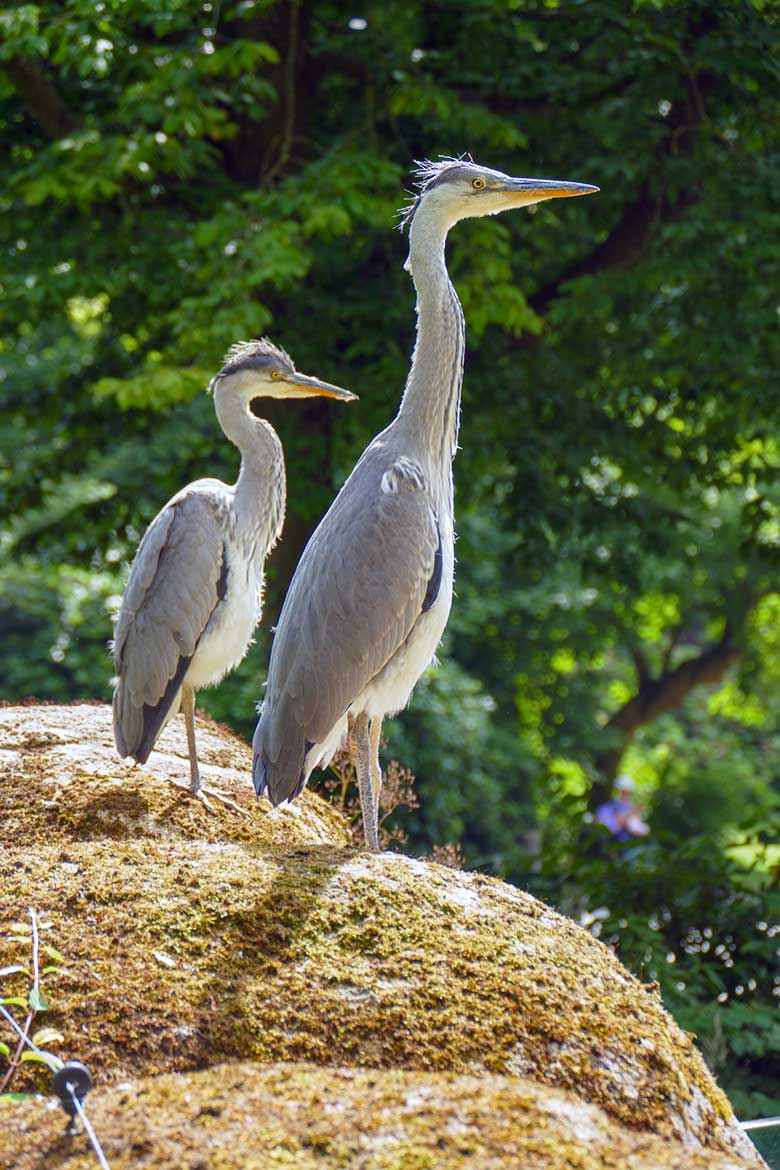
36,977
25,1040
24,1032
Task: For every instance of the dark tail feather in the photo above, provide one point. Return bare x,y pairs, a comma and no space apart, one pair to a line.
282,779
258,774
260,781
155,716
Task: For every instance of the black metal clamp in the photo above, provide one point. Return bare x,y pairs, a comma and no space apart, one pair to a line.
71,1084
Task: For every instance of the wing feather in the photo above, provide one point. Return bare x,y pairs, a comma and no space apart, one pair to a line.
356,595
175,584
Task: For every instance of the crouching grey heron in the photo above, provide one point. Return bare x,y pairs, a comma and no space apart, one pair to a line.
194,593
371,595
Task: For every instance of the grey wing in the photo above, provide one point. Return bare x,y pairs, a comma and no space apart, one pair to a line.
178,578
371,569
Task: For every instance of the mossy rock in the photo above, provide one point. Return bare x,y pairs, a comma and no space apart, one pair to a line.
301,1117
61,780
194,939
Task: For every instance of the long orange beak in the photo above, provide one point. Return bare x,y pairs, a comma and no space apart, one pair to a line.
549,188
315,387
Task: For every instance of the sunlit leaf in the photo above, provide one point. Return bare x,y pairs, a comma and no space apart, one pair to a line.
47,1036
37,1000
48,1058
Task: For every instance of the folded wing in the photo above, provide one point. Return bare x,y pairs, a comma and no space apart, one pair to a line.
371,569
178,578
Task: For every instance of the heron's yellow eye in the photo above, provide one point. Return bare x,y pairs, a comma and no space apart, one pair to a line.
478,184
276,374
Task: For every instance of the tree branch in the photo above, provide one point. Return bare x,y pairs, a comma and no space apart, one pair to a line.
624,247
641,665
671,646
657,696
631,238
261,152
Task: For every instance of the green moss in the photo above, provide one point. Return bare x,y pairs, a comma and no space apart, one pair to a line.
246,1117
322,955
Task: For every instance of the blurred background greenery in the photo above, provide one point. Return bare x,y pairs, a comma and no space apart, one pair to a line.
177,176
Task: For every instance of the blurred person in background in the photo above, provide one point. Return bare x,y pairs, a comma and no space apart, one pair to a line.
622,815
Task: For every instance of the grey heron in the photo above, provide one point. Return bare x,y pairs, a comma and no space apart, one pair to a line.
371,595
194,593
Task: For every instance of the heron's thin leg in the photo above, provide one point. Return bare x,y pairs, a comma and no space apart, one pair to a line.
196,788
360,758
375,768
188,710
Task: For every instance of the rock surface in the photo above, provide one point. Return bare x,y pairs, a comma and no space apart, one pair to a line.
61,780
197,941
301,1117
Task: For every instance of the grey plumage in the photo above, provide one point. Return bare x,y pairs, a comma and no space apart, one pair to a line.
335,643
166,610
193,596
371,595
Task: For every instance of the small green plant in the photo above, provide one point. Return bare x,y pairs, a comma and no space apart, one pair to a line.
28,1046
340,787
397,791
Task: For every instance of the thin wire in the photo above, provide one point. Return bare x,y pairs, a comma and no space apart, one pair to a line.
763,1123
46,1056
90,1131
79,1107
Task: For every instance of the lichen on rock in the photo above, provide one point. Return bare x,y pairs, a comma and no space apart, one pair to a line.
281,945
301,1117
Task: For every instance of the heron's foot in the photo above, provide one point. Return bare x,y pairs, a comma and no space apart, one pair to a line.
217,794
203,792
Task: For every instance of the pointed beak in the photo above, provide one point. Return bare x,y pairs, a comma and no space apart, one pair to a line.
314,387
537,189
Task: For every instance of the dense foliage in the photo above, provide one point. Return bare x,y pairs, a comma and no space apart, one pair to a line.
176,176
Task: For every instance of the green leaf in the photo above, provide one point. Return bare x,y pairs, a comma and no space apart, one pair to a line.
4,1049
37,1000
53,953
48,1058
15,1001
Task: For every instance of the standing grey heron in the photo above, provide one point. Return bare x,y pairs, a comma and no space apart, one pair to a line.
371,595
194,593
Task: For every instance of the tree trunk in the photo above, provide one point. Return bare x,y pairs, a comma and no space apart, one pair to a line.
40,96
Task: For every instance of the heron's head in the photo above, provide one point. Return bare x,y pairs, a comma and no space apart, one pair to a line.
260,369
456,189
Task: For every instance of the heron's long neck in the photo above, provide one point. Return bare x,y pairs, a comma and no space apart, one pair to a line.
430,408
260,490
